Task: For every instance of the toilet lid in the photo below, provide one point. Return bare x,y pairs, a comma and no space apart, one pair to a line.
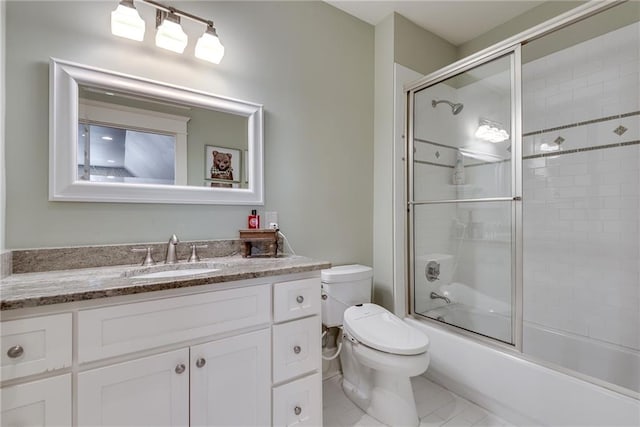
380,329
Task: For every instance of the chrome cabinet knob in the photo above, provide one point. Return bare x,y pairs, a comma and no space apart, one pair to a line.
15,351
200,362
180,368
297,349
300,299
297,410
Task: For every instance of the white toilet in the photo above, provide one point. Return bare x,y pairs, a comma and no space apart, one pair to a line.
380,352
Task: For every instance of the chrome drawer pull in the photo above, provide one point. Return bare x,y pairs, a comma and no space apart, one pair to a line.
200,362
300,299
297,349
297,410
180,368
15,351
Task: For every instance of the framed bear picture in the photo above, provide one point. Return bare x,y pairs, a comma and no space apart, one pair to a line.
222,166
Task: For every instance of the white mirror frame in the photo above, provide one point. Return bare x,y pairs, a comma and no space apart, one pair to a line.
64,78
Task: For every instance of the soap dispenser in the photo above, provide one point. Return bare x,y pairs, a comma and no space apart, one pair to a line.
254,220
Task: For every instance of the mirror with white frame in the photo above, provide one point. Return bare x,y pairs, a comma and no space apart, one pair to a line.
120,138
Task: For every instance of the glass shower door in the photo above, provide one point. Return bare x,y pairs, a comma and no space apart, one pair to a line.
462,198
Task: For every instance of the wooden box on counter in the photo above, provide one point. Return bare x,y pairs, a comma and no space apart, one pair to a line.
264,238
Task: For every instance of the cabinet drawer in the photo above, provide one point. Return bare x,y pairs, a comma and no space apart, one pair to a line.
112,331
298,403
38,403
299,298
36,345
296,348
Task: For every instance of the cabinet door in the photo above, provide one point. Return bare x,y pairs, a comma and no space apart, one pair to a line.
230,381
37,403
150,391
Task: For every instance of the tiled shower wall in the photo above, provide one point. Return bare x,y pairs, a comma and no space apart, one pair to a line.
581,203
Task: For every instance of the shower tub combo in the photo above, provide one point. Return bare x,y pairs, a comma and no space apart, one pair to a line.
524,224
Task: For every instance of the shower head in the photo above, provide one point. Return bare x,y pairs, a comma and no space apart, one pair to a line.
455,108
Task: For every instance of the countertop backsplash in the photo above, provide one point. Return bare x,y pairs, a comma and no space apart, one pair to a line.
69,258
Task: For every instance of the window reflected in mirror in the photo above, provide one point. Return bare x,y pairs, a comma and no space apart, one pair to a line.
112,154
133,139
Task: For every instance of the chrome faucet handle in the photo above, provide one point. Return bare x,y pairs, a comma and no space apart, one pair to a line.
194,254
148,260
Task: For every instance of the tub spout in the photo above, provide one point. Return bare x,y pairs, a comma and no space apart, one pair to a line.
435,295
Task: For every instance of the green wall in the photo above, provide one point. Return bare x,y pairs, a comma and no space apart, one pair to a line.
419,49
520,23
311,66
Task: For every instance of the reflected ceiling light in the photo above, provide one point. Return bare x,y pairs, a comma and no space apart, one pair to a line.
169,34
126,22
553,145
107,138
491,131
209,47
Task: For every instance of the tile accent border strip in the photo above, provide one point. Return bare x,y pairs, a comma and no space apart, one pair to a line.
579,150
587,122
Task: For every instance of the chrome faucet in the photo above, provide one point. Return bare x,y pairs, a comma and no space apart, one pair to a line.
435,295
171,250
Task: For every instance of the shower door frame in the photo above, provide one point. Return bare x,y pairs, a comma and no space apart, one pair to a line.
513,52
506,47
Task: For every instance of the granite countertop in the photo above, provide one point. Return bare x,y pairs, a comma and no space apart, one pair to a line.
54,287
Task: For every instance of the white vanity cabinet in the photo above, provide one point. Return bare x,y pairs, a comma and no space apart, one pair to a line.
246,353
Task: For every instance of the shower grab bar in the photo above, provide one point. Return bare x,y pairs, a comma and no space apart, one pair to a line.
492,199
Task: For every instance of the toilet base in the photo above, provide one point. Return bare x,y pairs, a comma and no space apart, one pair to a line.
387,398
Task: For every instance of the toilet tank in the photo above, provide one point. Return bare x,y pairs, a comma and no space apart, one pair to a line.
342,287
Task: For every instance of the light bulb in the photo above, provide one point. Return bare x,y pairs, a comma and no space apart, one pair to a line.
209,47
126,22
170,35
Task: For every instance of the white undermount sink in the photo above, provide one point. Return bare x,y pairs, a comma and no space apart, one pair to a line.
167,271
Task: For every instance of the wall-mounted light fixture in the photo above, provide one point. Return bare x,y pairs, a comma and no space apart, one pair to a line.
126,22
491,131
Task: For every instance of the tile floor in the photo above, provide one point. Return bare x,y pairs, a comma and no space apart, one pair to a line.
436,406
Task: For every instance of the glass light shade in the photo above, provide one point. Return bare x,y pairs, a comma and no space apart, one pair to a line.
170,36
126,22
209,47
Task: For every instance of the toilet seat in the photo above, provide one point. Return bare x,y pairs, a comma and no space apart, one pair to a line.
381,330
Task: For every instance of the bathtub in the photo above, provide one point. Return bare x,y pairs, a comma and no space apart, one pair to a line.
521,391
609,362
